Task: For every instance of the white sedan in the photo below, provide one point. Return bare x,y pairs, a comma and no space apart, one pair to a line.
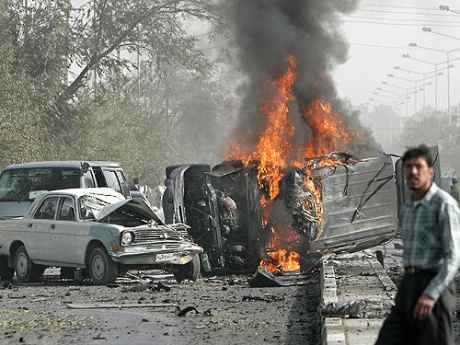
98,231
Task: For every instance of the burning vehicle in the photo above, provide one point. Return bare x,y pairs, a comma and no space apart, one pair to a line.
334,204
287,191
95,230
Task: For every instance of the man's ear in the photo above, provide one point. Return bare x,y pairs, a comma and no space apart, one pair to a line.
432,172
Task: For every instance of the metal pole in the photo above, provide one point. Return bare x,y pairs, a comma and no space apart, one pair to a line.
407,102
448,88
436,87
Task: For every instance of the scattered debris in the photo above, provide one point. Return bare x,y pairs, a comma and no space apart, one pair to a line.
351,310
263,279
99,337
113,285
160,286
118,306
208,312
266,298
185,311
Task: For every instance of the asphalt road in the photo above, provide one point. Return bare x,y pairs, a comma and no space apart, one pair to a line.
229,312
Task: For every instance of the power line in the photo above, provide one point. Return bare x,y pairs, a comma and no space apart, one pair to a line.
398,24
371,45
412,20
368,4
447,14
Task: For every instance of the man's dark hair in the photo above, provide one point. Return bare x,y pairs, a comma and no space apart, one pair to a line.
417,152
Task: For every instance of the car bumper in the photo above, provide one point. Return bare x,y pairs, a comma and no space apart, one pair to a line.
156,254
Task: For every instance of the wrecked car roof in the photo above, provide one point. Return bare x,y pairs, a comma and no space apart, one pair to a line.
61,164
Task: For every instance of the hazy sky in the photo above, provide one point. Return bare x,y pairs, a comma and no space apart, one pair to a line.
395,24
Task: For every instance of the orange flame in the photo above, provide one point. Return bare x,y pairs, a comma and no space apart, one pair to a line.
275,152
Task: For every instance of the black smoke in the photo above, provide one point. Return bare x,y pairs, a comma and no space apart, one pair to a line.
266,32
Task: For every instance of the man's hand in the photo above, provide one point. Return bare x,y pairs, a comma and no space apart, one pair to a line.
424,307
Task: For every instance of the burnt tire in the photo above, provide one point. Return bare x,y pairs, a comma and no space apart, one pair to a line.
102,270
6,272
26,270
190,271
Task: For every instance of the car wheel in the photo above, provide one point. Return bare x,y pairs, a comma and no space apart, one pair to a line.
190,271
6,272
25,270
102,270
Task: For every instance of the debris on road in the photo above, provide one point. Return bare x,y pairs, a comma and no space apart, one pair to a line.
351,310
185,311
118,306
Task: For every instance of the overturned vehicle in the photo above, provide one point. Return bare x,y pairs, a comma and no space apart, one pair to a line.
330,204
96,231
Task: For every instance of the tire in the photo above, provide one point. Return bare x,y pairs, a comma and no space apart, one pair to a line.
190,271
25,270
102,270
6,272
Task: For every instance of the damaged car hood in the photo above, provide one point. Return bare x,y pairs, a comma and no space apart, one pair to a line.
135,207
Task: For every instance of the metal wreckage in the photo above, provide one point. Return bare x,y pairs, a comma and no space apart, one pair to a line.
332,204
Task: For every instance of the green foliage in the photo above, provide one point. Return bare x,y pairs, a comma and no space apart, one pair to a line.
434,128
70,88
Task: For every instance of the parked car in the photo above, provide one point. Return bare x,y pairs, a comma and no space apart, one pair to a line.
97,230
20,184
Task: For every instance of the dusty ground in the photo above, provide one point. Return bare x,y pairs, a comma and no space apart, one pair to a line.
230,312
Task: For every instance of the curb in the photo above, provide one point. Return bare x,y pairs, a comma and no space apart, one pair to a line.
332,329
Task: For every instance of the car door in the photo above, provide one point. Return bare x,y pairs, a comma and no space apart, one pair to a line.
69,234
360,206
41,246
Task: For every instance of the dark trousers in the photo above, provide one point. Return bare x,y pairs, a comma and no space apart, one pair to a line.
401,327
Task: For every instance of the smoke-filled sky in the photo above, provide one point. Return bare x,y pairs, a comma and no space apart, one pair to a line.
266,33
394,24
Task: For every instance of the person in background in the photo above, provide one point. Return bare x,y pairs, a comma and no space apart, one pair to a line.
430,228
454,189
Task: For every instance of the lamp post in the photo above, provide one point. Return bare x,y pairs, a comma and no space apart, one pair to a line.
409,81
436,66
447,53
448,9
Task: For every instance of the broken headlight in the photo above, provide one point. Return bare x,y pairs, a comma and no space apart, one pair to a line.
127,238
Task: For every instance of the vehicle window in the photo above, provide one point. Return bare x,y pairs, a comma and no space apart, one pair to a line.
48,209
99,177
112,181
123,182
67,210
28,184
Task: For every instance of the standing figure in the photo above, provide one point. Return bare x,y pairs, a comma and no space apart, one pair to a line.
454,189
430,227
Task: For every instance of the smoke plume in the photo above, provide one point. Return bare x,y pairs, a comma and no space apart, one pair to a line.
267,32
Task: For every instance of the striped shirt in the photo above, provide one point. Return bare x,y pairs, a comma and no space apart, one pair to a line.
430,230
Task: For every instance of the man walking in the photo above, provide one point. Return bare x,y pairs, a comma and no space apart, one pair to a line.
430,228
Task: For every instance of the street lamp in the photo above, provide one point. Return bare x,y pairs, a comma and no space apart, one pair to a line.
408,56
448,9
447,53
408,70
390,75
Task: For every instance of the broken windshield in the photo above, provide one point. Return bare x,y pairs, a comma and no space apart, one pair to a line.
28,184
